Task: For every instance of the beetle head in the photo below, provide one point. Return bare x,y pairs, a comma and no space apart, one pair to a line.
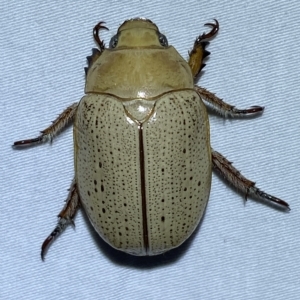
138,32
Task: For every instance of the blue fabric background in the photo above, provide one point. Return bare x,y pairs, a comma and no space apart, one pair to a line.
240,251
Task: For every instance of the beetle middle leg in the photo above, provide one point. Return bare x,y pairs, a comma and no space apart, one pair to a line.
224,108
233,176
65,217
57,125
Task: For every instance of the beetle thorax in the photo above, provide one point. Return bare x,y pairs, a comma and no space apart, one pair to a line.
139,72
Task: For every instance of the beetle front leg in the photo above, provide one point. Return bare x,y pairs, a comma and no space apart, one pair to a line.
240,182
58,124
96,53
66,217
198,53
224,108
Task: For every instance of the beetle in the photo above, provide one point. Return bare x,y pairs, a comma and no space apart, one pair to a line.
142,154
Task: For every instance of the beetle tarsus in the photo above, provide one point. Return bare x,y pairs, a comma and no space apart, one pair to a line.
264,196
96,30
66,217
29,142
215,29
223,108
62,224
57,125
233,176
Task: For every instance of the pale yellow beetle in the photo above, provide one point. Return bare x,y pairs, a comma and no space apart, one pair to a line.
142,150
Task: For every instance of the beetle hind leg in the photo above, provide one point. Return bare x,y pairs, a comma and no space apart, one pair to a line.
223,108
66,217
246,186
57,125
198,53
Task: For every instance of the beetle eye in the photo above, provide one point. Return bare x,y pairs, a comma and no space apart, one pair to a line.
113,42
163,40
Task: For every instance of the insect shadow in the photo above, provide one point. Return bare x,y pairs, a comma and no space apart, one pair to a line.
141,262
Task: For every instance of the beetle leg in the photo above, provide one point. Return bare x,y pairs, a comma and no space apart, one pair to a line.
95,52
224,108
66,217
97,37
91,59
240,182
47,134
198,53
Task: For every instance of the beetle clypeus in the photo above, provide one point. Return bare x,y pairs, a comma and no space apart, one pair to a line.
142,156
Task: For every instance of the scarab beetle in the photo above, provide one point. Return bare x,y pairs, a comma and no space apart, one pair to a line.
142,153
